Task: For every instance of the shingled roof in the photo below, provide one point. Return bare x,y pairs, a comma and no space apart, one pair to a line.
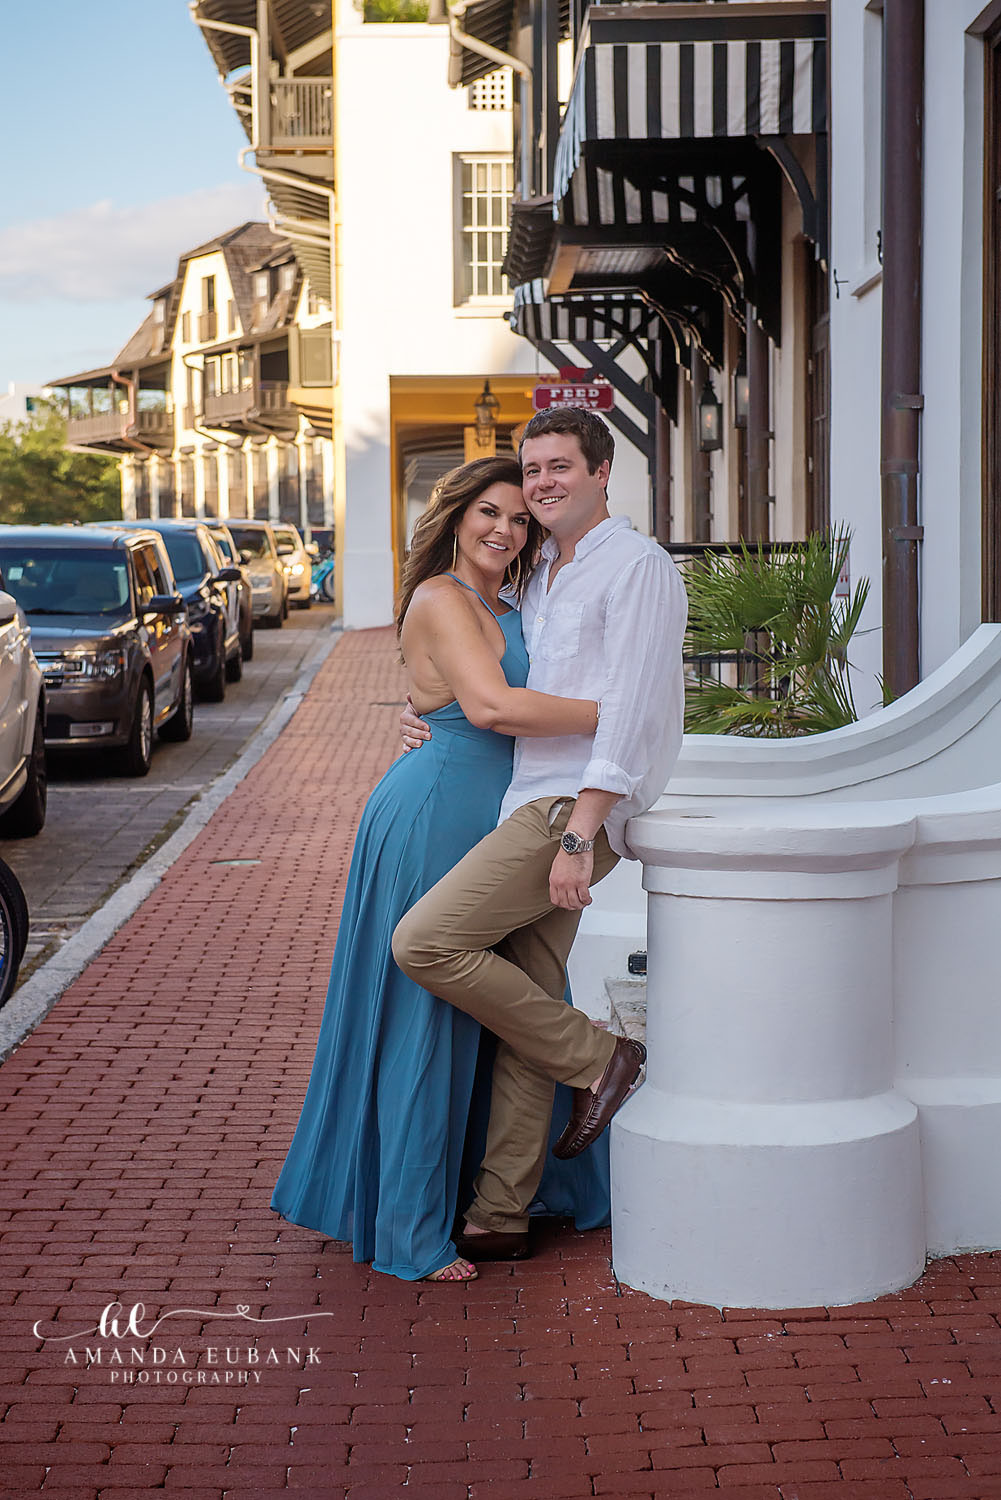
245,249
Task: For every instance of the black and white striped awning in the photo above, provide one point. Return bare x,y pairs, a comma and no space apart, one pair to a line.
676,90
571,320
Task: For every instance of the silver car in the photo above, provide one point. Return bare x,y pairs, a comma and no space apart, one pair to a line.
23,781
297,563
259,554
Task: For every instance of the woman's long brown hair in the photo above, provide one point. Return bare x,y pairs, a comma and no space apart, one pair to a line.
431,549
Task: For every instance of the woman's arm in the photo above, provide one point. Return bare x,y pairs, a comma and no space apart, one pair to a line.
447,630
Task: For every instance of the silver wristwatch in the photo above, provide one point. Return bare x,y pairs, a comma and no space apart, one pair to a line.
572,843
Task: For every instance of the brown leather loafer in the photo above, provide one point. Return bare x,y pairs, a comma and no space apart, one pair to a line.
592,1112
493,1244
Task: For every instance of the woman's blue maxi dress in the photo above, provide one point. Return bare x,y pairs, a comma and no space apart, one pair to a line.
377,1156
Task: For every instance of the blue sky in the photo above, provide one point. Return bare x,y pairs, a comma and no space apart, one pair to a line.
119,153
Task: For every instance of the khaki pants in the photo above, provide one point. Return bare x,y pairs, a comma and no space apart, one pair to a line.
488,940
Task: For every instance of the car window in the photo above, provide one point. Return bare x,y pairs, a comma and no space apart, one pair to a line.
225,546
159,568
185,553
252,543
286,542
215,557
67,580
145,583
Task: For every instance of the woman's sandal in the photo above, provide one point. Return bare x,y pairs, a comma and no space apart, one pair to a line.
456,1270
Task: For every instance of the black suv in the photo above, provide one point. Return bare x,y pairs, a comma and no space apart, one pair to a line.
109,631
210,591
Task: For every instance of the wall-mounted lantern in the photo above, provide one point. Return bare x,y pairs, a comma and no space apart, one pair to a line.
710,420
740,392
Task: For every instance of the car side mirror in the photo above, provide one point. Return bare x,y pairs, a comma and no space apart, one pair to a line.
164,604
228,575
312,549
8,608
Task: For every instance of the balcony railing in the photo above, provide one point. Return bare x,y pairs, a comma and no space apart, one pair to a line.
207,324
302,116
113,428
266,403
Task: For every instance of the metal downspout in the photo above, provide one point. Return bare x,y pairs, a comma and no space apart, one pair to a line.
502,60
901,399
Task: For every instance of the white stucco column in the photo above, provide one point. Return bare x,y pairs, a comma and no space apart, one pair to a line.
947,1020
126,468
767,1161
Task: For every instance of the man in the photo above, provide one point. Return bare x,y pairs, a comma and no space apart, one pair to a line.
603,618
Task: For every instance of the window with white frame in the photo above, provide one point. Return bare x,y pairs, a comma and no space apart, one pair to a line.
483,186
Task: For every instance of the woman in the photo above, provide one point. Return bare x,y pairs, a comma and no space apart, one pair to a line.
377,1154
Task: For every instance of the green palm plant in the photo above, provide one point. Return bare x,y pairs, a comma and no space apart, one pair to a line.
777,613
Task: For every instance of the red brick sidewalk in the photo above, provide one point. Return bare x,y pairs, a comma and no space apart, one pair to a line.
144,1124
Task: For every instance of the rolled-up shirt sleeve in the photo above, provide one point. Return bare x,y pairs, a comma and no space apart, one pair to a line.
642,703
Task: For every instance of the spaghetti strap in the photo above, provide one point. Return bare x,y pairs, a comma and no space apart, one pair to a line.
479,596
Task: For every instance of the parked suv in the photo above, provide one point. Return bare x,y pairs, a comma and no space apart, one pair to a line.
230,553
22,726
297,563
109,630
259,551
210,591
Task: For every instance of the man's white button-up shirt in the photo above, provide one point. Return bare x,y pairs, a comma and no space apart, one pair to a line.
611,628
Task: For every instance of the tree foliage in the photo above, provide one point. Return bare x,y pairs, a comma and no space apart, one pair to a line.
41,481
778,611
396,10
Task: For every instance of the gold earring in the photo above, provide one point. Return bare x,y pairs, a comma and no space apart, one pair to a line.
455,549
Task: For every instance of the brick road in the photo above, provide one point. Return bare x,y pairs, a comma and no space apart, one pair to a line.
144,1124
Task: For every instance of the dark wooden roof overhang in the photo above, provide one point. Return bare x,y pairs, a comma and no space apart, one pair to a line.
292,24
667,193
496,23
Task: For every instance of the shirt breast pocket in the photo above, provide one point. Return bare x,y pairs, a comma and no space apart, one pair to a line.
559,637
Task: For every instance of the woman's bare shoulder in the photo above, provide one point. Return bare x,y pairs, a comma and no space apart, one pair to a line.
439,597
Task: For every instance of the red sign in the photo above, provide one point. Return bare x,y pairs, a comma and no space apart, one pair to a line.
597,395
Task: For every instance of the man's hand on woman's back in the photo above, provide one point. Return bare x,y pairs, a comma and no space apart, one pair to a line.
413,730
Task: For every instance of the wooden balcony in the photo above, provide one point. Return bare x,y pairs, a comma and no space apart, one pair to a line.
207,326
264,405
112,431
302,114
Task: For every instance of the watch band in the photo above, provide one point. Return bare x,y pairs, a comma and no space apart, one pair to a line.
572,843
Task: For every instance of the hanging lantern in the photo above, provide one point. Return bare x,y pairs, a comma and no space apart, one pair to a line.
486,408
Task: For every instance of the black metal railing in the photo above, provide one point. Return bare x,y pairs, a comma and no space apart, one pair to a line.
749,668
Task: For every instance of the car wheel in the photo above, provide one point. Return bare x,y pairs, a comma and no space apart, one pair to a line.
234,666
274,622
179,726
213,689
285,607
247,645
136,757
306,603
328,586
26,817
13,930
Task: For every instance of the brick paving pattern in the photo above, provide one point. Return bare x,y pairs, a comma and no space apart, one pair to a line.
143,1127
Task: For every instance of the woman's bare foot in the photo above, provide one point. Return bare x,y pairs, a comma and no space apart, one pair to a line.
456,1270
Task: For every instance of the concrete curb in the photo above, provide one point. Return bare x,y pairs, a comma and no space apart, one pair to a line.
33,1001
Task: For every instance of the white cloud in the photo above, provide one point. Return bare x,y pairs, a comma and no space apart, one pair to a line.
103,252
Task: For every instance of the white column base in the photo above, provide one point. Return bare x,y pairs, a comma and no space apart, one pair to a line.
766,1205
960,1121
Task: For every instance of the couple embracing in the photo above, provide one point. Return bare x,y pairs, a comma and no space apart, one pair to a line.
551,712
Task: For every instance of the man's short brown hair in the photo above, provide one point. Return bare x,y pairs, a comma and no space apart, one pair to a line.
596,441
